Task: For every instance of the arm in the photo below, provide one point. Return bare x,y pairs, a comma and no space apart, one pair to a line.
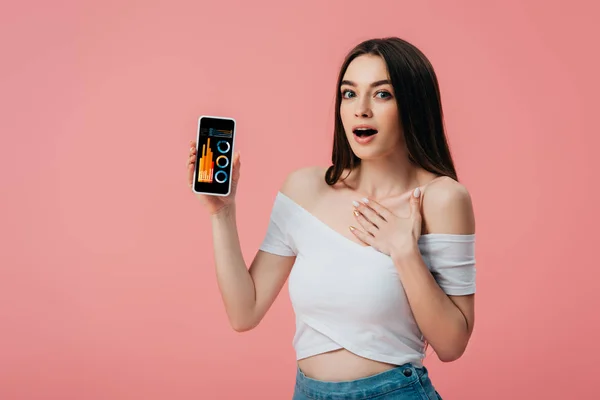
247,293
445,321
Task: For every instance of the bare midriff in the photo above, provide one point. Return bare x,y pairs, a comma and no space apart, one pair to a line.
340,365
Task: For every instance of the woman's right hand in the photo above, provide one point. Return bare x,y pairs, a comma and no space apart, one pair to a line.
214,204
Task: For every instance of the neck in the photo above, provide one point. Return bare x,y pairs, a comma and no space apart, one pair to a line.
385,177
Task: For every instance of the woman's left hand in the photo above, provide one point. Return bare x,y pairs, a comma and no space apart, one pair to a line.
386,232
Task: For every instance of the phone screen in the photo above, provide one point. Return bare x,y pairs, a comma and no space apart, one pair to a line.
214,155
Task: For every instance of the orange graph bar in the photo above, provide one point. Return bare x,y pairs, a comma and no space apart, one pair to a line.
206,165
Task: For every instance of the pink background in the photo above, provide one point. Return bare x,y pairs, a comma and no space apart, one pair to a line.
107,288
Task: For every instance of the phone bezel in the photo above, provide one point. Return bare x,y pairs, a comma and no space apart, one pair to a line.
197,150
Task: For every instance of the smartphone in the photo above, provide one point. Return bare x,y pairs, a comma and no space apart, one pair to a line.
214,155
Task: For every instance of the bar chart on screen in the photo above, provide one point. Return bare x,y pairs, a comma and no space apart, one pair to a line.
206,165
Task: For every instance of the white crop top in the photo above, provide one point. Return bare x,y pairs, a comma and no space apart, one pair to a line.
346,295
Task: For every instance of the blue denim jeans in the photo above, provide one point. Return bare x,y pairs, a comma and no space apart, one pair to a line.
404,382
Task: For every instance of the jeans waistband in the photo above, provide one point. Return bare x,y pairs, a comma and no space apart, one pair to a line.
381,383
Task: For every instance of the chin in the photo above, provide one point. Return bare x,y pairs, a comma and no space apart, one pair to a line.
369,153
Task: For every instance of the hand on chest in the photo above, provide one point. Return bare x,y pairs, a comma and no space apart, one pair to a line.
337,213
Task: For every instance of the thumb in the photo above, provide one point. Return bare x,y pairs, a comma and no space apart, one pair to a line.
236,166
415,203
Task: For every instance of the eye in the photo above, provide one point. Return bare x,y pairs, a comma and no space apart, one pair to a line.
386,94
346,94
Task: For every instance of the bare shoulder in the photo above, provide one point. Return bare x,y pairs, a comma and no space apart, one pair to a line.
447,207
304,183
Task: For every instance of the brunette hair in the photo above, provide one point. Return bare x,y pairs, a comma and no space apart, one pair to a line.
419,104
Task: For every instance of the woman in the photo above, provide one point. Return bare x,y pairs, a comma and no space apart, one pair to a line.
378,248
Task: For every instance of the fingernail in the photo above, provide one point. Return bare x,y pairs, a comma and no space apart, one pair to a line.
352,228
355,203
417,192
356,213
365,200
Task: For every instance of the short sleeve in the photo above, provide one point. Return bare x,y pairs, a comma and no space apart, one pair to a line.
278,239
451,260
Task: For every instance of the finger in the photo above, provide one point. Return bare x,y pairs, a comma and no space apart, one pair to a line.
190,161
190,174
367,225
362,236
415,203
383,212
236,166
369,214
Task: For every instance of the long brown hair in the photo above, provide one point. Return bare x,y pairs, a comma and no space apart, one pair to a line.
418,98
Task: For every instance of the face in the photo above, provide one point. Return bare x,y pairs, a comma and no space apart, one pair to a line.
368,109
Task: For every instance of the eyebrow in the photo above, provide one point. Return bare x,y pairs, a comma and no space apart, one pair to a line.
374,84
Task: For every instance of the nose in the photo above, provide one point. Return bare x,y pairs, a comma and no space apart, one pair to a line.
363,109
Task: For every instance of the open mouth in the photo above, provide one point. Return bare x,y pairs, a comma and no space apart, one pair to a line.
364,132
